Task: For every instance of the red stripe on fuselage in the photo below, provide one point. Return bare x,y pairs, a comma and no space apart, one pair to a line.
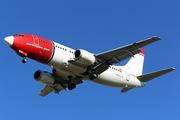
37,48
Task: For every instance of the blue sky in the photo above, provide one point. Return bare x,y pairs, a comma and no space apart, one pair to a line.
96,26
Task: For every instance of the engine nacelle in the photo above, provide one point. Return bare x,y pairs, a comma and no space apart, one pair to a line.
84,57
44,77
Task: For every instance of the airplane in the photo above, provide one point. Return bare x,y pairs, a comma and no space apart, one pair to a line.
70,67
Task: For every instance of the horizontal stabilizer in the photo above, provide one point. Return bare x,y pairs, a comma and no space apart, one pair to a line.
123,90
150,76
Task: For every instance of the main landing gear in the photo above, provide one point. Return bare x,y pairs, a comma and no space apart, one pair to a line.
93,74
24,60
71,86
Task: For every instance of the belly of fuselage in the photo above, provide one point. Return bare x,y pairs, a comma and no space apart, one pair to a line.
115,79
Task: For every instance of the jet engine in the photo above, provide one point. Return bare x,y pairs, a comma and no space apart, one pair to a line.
84,57
44,77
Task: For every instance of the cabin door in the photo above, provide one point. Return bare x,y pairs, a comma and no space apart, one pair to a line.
35,40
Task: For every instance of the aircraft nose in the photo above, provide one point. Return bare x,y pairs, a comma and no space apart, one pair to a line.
9,40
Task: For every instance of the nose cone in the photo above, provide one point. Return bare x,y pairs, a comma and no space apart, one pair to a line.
9,40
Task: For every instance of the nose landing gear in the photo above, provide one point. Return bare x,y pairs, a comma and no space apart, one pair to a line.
22,54
24,60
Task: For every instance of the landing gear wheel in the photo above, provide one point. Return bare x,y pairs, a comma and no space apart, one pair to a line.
93,76
72,86
24,60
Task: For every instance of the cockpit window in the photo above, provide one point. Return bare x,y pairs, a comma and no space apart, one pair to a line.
20,35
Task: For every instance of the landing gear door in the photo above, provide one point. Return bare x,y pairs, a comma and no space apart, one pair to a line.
35,40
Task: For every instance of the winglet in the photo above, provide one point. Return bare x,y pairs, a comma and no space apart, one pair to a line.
155,37
142,51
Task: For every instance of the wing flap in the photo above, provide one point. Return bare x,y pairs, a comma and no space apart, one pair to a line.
150,76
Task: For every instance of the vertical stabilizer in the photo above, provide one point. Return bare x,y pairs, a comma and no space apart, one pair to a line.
135,64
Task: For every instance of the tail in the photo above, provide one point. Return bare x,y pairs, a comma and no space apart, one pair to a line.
135,64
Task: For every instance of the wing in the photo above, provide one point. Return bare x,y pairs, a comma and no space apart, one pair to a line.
120,54
48,89
61,83
45,91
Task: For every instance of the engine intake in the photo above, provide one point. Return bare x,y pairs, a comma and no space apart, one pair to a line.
44,77
84,57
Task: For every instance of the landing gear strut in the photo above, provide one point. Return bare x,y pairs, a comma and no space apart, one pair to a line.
24,60
93,74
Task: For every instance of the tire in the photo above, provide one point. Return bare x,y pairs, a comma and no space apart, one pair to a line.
72,86
91,77
69,87
24,60
95,75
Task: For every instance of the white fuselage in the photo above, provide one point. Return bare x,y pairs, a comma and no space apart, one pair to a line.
115,76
